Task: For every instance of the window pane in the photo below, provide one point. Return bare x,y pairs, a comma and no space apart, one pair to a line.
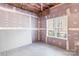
55,23
50,24
57,27
50,32
62,35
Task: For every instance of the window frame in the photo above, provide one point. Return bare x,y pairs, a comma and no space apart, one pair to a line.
66,32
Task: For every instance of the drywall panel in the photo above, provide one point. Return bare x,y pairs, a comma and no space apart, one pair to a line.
34,22
12,19
14,37
34,27
34,35
3,18
10,39
18,20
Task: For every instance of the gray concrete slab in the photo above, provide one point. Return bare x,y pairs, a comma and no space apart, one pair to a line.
37,49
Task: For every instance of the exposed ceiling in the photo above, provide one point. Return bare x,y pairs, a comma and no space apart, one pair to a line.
34,7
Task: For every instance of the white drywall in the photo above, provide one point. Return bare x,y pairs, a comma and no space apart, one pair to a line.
10,39
13,38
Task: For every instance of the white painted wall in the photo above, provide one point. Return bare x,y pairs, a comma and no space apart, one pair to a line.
34,26
10,39
13,38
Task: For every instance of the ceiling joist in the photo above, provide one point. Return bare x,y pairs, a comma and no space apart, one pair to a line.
34,7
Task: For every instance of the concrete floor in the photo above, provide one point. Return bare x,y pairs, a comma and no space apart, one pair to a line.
37,49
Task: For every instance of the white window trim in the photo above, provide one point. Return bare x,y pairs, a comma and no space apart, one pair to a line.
58,27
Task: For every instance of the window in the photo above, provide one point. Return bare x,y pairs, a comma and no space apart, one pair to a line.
57,27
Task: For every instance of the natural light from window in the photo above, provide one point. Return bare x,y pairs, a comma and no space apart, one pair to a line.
57,27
